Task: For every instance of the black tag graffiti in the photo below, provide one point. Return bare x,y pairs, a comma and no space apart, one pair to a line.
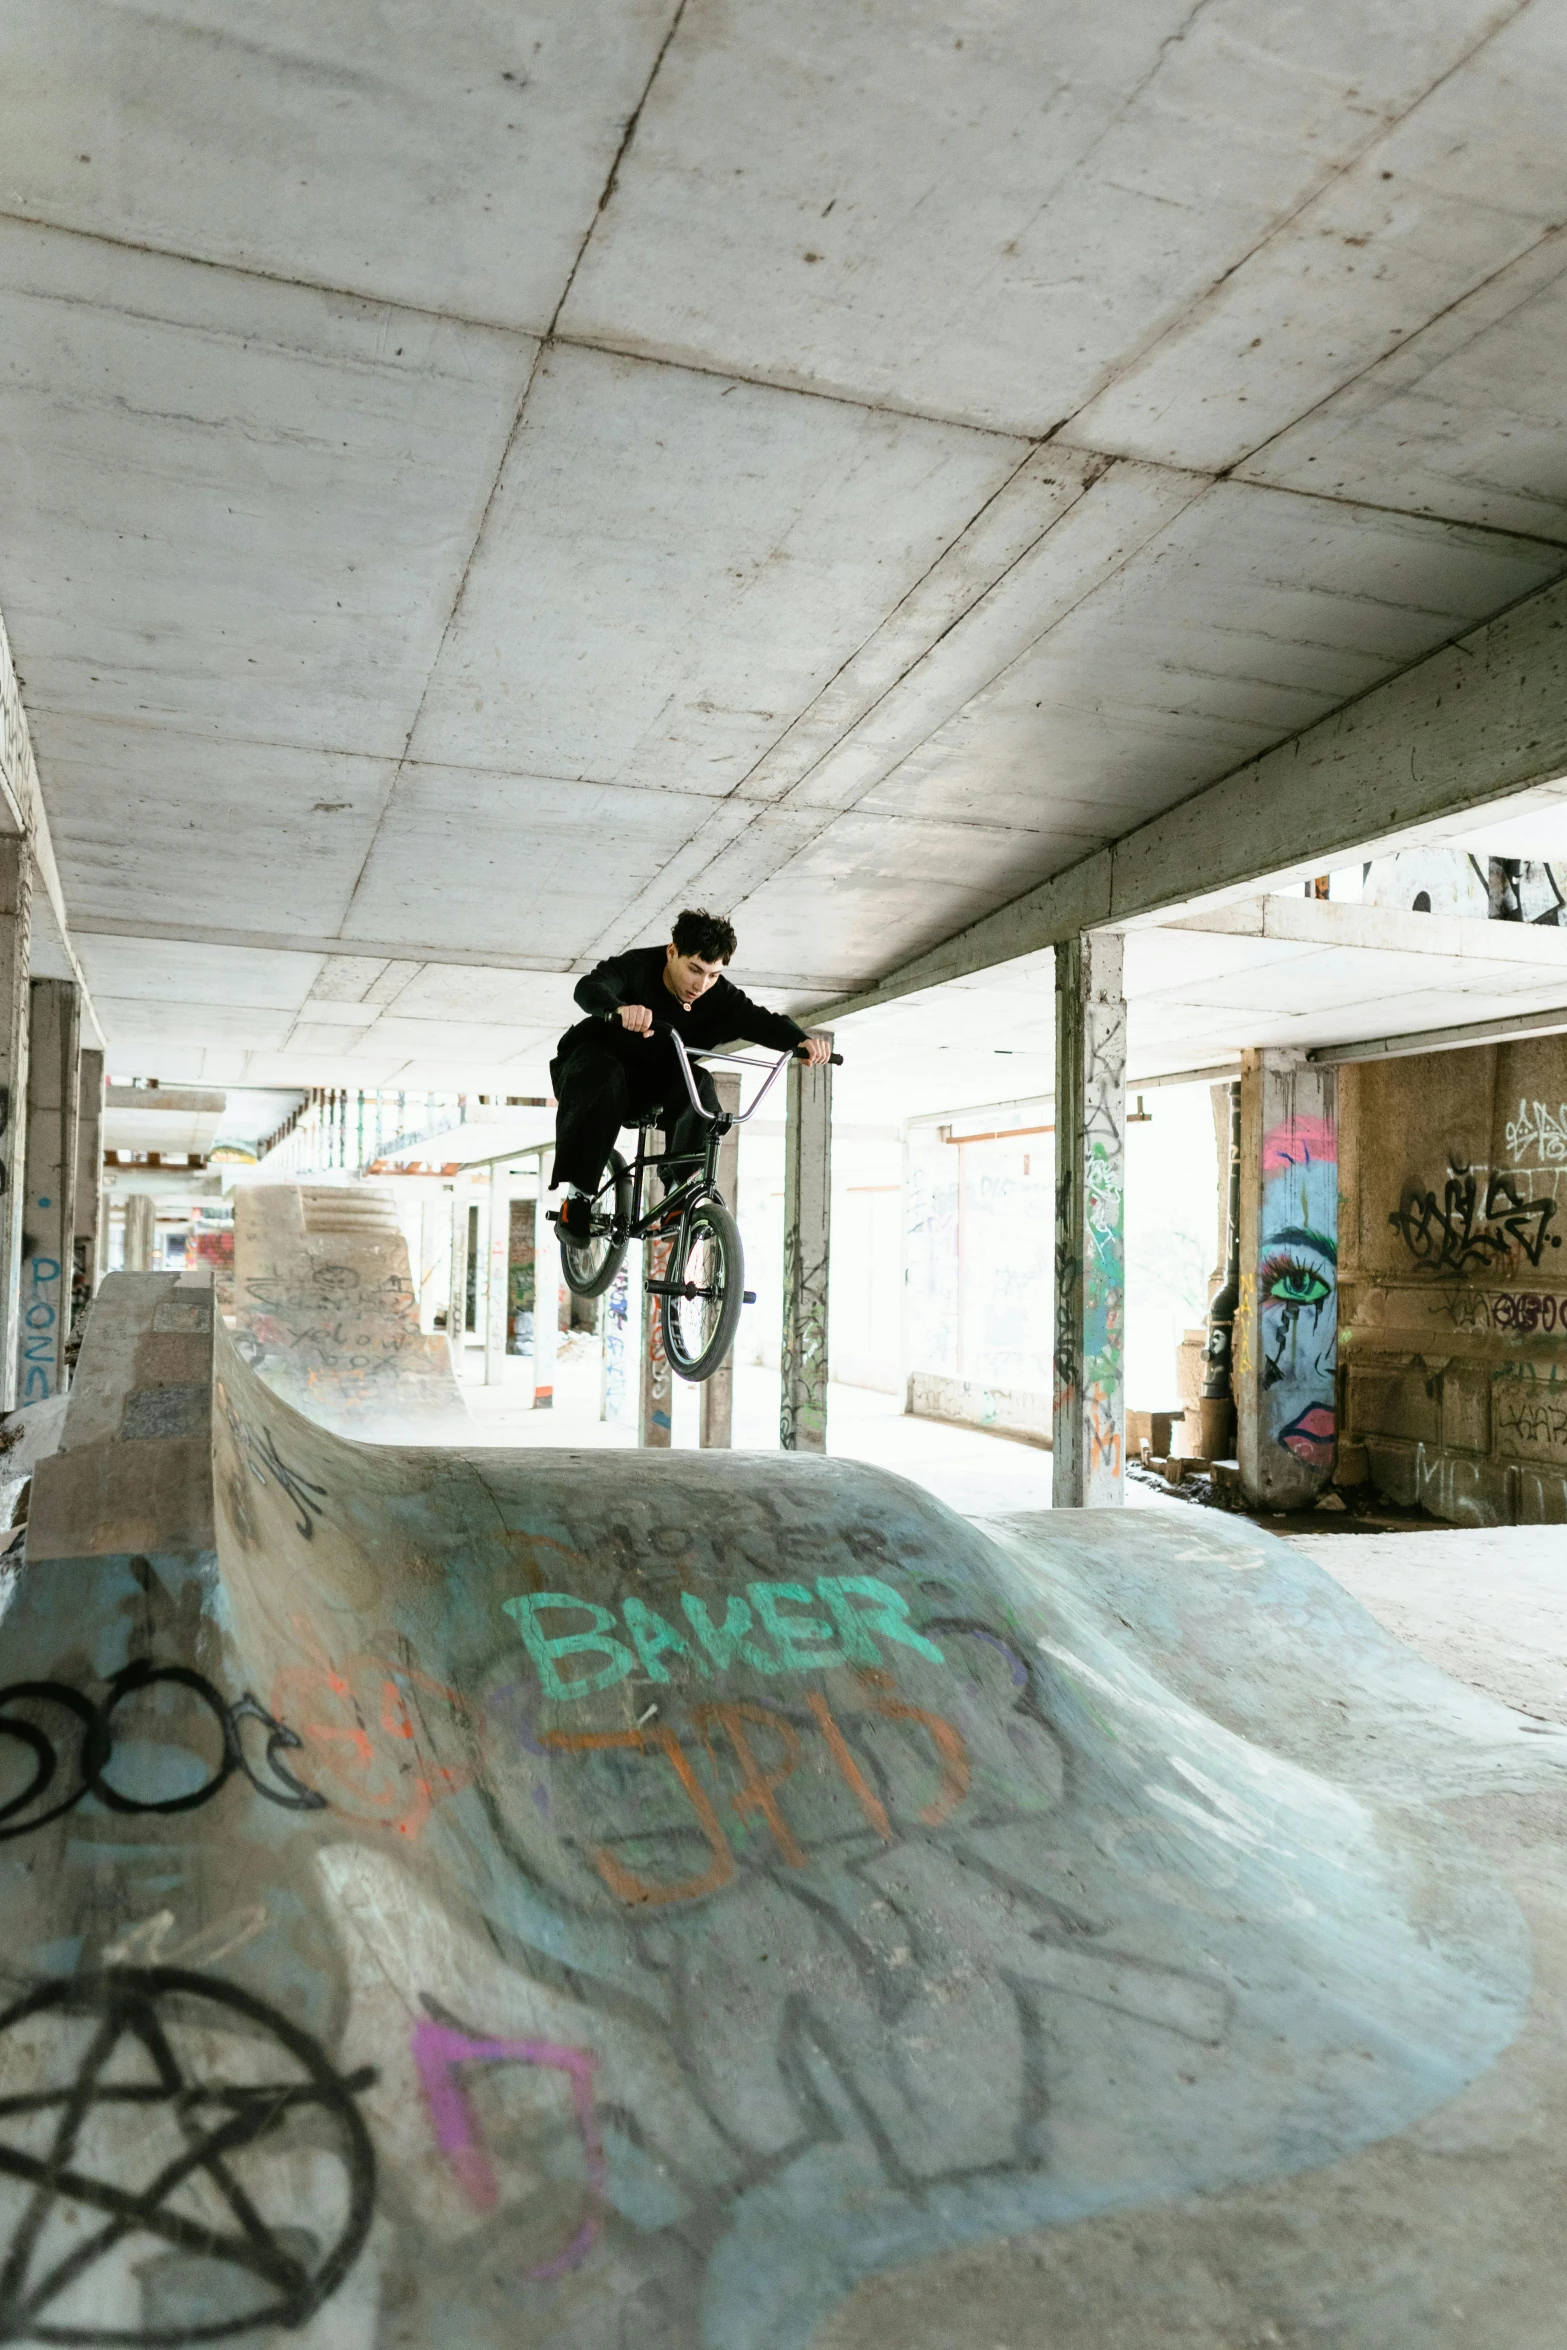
148,2139
1458,1232
97,1748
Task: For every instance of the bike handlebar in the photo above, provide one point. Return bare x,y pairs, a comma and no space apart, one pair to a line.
739,1117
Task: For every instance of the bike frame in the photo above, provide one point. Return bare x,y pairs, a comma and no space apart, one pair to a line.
702,1181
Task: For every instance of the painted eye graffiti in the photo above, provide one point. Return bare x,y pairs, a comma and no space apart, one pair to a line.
1293,1281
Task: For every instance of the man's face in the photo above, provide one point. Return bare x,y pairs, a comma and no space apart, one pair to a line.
688,976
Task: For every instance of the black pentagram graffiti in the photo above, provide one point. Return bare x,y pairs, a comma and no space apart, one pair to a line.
149,2137
17,1816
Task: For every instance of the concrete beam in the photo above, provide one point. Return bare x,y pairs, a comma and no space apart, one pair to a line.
1319,922
1484,718
1444,1040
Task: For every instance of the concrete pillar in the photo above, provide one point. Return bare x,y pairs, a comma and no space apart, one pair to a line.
497,1285
546,1298
1286,1323
54,1051
431,1251
141,1231
655,1414
802,1399
614,1317
90,1220
1090,1267
15,947
457,1303
718,1393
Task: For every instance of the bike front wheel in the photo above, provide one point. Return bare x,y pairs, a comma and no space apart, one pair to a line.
590,1266
709,1263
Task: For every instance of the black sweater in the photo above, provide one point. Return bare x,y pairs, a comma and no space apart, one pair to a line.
724,1015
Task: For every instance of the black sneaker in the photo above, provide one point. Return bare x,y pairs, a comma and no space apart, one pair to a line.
576,1219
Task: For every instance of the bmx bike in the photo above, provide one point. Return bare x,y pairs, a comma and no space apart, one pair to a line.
702,1289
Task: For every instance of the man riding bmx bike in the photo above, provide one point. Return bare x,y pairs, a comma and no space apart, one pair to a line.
615,1069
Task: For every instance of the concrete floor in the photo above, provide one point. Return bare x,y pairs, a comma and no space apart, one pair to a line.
1447,2237
965,1467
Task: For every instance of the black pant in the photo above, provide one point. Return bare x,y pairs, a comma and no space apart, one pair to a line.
603,1084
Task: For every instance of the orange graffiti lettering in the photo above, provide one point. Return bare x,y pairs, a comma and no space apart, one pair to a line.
622,1882
956,1770
758,1788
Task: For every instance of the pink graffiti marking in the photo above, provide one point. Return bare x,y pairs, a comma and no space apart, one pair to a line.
1296,1139
438,2051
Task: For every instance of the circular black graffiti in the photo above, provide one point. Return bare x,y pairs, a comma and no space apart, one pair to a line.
140,2079
96,1748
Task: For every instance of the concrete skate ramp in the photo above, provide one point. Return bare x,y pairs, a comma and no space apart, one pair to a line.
327,1312
589,1899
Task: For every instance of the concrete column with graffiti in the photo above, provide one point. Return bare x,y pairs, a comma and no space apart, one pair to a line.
15,935
546,1297
89,1217
656,1415
718,1392
1286,1322
54,1053
457,1300
1089,1413
802,1402
497,1281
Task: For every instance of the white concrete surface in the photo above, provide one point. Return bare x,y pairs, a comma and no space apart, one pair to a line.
467,495
1487,1604
969,1470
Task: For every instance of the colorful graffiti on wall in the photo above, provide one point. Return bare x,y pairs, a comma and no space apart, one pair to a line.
1296,1294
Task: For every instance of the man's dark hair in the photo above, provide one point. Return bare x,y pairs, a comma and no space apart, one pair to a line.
707,935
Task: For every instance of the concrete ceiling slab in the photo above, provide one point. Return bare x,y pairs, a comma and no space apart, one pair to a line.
1467,416
787,207
675,564
521,999
151,823
1464,185
481,860
1247,617
394,155
152,970
865,872
344,626
148,1037
195,518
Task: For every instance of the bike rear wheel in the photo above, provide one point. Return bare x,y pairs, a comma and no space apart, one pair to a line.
708,1259
589,1266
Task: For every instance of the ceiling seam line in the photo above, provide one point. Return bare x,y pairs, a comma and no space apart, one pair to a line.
972,606
829,816
849,659
1280,489
1109,849
1412,342
1279,227
518,417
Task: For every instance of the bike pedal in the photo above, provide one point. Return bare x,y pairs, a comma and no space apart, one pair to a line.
748,1297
